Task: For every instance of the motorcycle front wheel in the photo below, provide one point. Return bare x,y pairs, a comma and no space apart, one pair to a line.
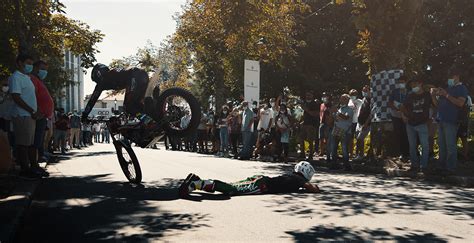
128,161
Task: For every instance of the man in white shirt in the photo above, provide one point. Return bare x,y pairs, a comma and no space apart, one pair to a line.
24,113
264,124
355,103
266,118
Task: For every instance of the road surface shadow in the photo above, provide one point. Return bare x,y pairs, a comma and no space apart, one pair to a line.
342,234
202,196
367,196
92,208
79,154
355,195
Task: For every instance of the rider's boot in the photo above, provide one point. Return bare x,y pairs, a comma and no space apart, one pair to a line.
193,182
188,185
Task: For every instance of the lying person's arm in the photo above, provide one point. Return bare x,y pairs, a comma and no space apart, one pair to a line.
311,187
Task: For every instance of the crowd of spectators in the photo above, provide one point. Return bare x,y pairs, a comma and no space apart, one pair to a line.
340,128
333,126
35,129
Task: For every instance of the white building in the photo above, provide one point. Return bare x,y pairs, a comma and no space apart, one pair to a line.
72,96
106,101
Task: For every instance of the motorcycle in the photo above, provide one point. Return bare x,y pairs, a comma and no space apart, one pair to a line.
174,112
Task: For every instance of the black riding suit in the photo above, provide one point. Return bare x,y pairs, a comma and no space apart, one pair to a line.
134,81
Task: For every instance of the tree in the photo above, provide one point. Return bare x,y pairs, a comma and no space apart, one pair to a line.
40,29
218,35
386,29
445,39
327,61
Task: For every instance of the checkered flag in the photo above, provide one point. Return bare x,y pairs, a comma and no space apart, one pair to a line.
382,84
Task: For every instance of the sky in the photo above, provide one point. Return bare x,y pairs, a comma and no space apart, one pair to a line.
127,25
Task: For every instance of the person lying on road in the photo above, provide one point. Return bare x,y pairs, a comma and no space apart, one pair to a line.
296,181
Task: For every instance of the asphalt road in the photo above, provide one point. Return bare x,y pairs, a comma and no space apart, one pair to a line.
88,199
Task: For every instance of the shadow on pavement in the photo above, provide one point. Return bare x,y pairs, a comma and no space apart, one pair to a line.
343,234
92,208
79,154
201,196
350,195
373,195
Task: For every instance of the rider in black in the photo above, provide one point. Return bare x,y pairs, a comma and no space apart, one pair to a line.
134,81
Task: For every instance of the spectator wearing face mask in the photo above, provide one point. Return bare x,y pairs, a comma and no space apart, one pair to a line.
265,121
256,121
202,133
363,123
235,124
354,103
396,99
341,131
247,130
6,104
45,107
449,102
223,131
283,124
60,132
75,129
24,114
324,128
310,126
415,113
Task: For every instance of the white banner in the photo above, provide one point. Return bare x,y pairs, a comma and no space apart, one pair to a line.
252,81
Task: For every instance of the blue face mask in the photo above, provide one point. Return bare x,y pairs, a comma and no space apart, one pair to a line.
28,68
450,82
415,89
42,74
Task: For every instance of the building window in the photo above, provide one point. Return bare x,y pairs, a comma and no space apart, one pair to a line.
104,104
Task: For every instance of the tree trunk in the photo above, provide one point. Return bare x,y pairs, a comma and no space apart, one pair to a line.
220,88
20,28
392,26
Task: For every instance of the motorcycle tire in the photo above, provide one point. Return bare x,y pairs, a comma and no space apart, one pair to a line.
128,161
193,105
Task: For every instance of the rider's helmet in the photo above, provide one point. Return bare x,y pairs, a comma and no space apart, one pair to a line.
306,169
98,72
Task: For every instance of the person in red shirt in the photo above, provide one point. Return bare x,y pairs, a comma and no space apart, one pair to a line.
45,108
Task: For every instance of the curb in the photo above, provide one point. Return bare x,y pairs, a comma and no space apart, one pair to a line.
14,208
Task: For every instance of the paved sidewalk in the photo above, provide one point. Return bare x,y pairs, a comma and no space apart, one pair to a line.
14,207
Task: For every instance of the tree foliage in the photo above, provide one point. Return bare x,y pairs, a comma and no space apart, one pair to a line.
320,44
40,29
218,35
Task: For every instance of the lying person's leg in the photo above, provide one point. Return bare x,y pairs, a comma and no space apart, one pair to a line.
251,185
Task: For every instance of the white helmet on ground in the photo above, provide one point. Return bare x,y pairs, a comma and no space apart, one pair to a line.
306,169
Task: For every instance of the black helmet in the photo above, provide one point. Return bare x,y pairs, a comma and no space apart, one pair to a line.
98,72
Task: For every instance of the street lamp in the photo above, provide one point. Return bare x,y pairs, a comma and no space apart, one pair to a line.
115,102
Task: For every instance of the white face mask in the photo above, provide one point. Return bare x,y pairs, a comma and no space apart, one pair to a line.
5,89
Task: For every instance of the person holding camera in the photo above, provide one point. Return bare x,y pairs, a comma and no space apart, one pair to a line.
449,102
416,113
342,132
